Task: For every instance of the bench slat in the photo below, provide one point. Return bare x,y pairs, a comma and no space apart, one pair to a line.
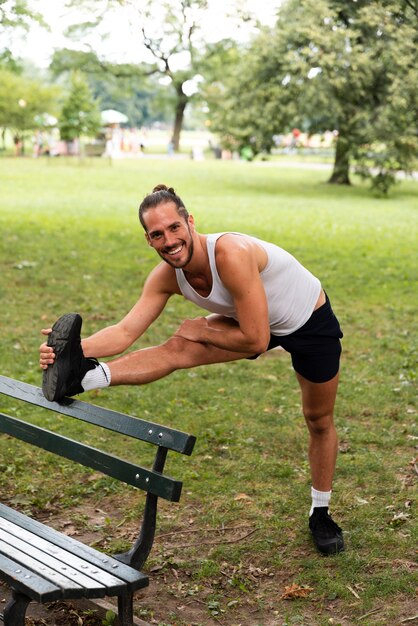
111,420
27,582
90,582
153,482
16,535
135,579
68,587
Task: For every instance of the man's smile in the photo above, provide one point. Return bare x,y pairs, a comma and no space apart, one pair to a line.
177,255
173,251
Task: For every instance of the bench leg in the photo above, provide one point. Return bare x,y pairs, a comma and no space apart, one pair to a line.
126,609
15,610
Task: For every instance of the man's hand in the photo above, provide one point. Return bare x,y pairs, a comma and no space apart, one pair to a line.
194,330
46,353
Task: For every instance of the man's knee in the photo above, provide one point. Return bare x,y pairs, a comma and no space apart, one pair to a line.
182,353
319,422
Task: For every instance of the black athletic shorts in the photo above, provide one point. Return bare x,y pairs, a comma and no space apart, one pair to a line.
315,348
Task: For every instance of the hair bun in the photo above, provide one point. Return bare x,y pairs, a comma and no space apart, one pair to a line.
162,187
161,194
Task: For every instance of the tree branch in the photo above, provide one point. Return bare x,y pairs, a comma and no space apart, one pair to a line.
148,43
413,5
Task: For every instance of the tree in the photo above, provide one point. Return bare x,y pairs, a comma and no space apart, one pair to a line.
15,16
17,13
23,102
170,32
80,113
177,34
329,64
117,86
9,62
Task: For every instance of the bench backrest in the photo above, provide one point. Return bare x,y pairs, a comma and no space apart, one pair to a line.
153,481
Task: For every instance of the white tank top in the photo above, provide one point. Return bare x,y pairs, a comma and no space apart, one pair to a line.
291,290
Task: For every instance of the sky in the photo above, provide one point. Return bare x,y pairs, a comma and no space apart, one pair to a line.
121,45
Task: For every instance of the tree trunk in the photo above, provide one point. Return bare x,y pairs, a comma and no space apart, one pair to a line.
340,174
178,120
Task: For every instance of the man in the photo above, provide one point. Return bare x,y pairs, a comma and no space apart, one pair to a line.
259,297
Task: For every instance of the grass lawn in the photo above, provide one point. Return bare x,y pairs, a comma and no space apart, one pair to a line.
71,241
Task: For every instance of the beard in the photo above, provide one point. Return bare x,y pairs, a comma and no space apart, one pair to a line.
179,264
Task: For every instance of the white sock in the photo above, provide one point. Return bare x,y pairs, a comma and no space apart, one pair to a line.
319,498
97,378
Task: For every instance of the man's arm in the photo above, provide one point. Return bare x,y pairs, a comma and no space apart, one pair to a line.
112,340
239,262
117,338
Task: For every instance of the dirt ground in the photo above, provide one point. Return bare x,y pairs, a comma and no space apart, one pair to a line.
166,609
176,598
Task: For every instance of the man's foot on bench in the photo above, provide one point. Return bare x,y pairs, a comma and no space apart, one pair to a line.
64,376
326,534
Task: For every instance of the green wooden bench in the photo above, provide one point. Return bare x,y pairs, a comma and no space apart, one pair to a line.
43,565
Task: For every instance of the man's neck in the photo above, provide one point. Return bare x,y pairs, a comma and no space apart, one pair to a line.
198,272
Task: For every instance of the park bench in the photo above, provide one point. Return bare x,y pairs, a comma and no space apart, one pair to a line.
41,564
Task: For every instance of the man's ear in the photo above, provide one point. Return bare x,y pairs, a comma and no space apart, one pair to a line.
190,221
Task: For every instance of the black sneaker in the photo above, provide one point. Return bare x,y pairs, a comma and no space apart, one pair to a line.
64,376
327,535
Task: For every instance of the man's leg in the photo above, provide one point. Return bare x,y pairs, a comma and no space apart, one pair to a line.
318,400
149,364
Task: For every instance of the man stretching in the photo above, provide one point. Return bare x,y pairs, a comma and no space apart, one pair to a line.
259,297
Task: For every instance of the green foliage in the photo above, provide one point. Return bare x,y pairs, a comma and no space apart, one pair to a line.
124,87
109,619
80,113
16,17
23,99
326,66
169,31
8,62
17,14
